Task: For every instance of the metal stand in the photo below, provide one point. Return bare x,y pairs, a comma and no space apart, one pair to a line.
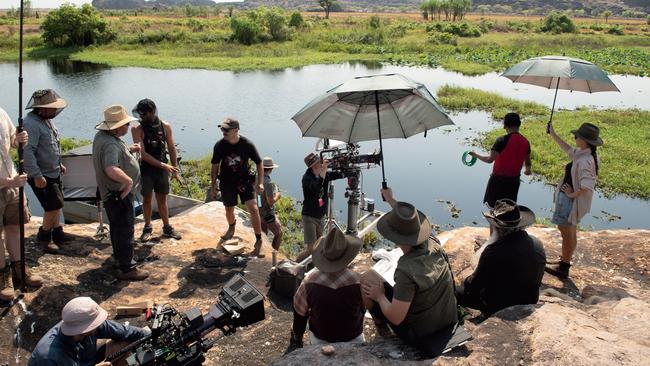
102,230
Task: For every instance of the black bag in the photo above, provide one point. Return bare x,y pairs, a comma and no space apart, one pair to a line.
286,276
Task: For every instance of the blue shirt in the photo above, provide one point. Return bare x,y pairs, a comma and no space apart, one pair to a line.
42,153
58,349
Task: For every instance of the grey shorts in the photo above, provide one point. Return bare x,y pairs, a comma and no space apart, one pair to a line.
563,206
157,182
313,229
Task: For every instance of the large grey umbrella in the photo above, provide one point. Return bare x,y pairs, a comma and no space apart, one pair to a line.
371,108
560,72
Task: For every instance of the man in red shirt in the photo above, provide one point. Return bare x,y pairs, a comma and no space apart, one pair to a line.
509,153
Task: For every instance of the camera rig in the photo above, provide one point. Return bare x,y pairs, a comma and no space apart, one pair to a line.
348,161
180,339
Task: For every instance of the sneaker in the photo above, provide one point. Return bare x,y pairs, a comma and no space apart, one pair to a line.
147,231
229,233
134,275
169,232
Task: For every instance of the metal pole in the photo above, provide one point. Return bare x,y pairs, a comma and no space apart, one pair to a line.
381,149
548,126
21,190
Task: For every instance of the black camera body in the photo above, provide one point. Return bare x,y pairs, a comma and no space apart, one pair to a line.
348,159
180,339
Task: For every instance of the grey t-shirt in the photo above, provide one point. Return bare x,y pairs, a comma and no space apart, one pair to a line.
109,150
269,191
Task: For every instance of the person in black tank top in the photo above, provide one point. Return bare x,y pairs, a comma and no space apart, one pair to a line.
155,137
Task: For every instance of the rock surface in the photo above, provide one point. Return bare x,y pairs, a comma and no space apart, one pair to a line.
600,316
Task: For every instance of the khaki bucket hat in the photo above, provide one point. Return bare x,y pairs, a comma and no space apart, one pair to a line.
333,252
268,163
81,315
404,225
46,98
115,116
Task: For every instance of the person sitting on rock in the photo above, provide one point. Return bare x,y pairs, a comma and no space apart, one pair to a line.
330,296
510,269
73,341
422,300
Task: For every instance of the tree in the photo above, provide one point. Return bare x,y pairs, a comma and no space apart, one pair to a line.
327,6
606,14
434,7
72,26
424,7
27,8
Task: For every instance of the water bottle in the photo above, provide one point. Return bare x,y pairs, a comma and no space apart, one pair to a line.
259,200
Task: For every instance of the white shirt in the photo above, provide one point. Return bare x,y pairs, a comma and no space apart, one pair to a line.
7,136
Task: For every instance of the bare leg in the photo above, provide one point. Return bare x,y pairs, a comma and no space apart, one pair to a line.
569,242
12,241
230,215
147,207
163,211
251,206
51,219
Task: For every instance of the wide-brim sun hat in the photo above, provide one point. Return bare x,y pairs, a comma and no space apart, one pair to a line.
590,133
311,159
46,98
335,251
115,116
506,214
268,163
405,225
81,315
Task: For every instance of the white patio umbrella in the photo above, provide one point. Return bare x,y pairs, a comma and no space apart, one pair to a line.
560,72
370,108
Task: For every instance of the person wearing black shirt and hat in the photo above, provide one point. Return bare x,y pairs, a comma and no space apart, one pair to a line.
315,190
155,137
510,269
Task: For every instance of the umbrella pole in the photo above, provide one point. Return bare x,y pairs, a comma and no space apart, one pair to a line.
21,190
548,125
384,185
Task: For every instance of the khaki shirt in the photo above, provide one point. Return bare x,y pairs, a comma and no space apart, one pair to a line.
109,150
7,135
422,277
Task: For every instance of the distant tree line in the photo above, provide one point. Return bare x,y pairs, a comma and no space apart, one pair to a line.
137,4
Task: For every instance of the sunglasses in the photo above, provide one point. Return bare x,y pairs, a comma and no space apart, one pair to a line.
223,129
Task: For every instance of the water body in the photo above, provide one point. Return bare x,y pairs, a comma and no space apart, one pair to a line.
425,171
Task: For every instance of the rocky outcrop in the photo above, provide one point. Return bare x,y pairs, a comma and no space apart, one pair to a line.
600,316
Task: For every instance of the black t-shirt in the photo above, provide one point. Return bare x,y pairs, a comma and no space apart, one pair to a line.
233,159
567,175
315,189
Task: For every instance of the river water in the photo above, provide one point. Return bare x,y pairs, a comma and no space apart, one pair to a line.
425,171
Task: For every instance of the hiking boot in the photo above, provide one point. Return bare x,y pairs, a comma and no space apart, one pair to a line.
31,280
258,248
169,232
229,233
560,270
134,275
6,285
44,238
147,231
59,237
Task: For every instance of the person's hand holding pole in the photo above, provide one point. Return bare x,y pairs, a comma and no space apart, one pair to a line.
22,137
387,194
16,181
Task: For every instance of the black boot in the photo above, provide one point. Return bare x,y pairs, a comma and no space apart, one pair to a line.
560,270
59,237
44,237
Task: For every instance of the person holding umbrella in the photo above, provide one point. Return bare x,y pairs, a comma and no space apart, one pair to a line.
575,190
10,181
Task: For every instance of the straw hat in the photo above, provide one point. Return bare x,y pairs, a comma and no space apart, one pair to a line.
405,225
590,133
81,315
311,159
46,98
268,163
506,214
115,116
333,252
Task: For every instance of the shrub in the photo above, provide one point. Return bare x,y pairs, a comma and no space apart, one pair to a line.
72,26
648,20
296,20
374,22
616,30
442,38
557,22
461,29
244,30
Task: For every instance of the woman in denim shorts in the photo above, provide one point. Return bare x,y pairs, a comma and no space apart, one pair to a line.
575,191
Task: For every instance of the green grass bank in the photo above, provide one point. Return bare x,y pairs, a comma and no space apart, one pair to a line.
625,157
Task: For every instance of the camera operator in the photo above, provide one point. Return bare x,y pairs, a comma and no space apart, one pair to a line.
73,341
315,189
